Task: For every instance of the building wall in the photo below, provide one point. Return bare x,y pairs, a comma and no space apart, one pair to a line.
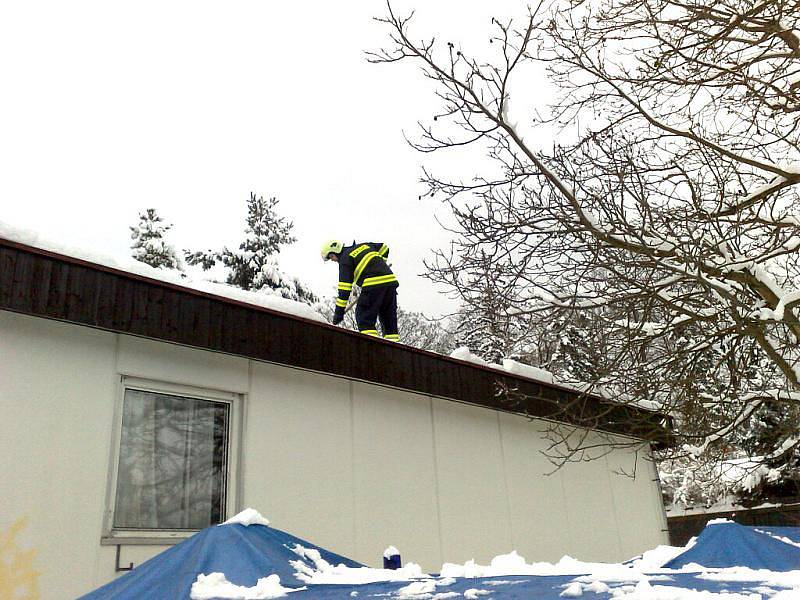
350,466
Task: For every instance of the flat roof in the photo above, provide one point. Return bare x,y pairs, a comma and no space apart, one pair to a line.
47,284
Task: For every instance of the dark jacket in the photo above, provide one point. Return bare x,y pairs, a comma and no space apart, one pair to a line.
363,265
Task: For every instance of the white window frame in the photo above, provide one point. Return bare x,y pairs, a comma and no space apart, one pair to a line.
111,536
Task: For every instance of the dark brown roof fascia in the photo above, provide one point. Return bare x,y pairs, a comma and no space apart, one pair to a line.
42,283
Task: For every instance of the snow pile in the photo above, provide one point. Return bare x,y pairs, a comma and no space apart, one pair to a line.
573,590
463,353
390,552
426,590
514,564
654,559
644,591
536,373
249,516
543,376
775,585
418,589
324,572
265,299
781,579
765,582
641,588
215,585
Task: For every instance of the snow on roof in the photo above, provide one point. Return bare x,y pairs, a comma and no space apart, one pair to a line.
271,301
543,376
262,299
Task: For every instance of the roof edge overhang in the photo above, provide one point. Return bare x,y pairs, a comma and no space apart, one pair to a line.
46,284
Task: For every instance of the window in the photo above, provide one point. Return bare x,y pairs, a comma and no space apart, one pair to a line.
172,467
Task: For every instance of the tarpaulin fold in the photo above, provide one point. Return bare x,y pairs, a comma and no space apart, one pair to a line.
243,554
729,544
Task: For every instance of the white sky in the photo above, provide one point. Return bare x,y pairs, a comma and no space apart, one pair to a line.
108,108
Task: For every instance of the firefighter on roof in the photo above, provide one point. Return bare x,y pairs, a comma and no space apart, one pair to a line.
365,265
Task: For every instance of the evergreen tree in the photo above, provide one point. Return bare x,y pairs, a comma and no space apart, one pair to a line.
254,265
484,333
149,245
485,323
578,353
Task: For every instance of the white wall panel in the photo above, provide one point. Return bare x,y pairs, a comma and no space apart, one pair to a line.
57,394
592,517
298,465
538,504
160,361
475,513
637,500
395,478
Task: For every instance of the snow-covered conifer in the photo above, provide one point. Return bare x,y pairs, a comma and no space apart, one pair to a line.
485,323
254,265
149,242
578,351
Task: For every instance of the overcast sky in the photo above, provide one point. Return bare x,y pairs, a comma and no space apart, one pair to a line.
108,108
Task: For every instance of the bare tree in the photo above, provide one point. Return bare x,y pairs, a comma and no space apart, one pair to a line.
667,210
427,333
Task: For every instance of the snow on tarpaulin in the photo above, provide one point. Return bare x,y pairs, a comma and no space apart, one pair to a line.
244,554
727,544
233,561
790,535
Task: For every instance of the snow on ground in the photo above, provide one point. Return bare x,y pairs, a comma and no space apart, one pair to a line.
263,299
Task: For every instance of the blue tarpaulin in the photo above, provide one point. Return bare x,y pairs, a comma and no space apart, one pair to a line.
243,554
732,545
246,554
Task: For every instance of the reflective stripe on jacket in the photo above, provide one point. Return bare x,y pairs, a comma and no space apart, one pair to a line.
363,265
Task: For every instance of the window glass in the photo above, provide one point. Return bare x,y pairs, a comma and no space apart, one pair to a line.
172,462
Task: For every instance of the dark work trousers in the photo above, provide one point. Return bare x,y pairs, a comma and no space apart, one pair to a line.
379,302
